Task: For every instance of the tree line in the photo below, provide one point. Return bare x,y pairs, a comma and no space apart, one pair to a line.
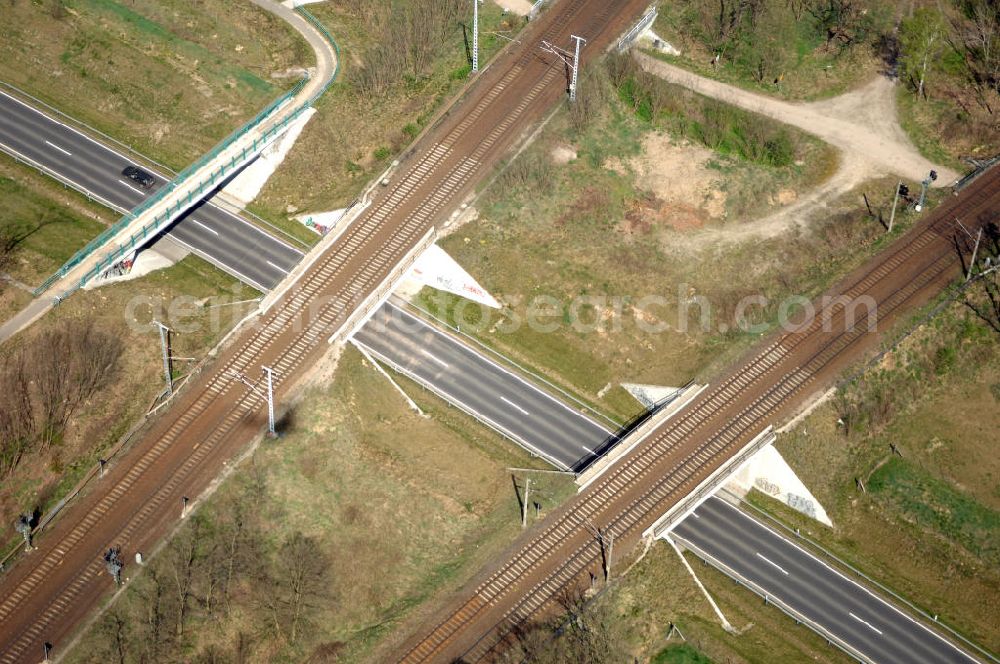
226,589
46,381
406,38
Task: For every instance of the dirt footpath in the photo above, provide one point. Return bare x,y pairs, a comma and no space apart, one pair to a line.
862,123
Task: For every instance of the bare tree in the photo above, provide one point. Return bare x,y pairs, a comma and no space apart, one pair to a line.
299,585
982,294
45,382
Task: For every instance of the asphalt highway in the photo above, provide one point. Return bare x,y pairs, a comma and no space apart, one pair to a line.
721,533
224,239
489,392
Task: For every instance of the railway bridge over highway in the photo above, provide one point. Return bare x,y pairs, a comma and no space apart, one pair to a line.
669,467
48,593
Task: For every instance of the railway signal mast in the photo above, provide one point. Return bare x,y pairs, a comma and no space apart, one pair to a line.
926,182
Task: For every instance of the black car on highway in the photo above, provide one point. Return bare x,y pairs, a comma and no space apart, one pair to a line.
139,175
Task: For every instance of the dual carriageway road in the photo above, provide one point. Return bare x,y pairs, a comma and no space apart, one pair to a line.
44,598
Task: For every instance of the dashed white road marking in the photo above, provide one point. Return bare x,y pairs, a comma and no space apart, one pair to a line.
138,191
435,358
53,145
207,228
865,622
277,267
771,562
514,405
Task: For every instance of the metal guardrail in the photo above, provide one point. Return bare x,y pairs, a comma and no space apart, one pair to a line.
535,376
78,125
981,166
448,399
144,232
66,182
382,292
316,23
150,230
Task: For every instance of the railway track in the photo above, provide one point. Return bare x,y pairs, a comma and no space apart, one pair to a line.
50,591
671,462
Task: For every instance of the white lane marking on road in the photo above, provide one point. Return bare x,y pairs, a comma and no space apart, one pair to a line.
53,145
854,583
514,405
870,626
695,515
207,228
257,229
277,267
138,191
771,562
505,370
436,359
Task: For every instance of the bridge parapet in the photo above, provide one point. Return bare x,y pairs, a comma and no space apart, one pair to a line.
637,435
709,485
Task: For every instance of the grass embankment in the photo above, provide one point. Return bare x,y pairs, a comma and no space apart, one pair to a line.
929,524
396,71
647,209
660,591
168,78
398,511
41,225
124,311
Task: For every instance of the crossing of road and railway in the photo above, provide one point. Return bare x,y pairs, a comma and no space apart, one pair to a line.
45,596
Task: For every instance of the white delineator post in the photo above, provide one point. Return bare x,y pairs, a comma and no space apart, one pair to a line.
576,65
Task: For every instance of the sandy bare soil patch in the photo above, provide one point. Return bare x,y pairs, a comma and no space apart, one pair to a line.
677,175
